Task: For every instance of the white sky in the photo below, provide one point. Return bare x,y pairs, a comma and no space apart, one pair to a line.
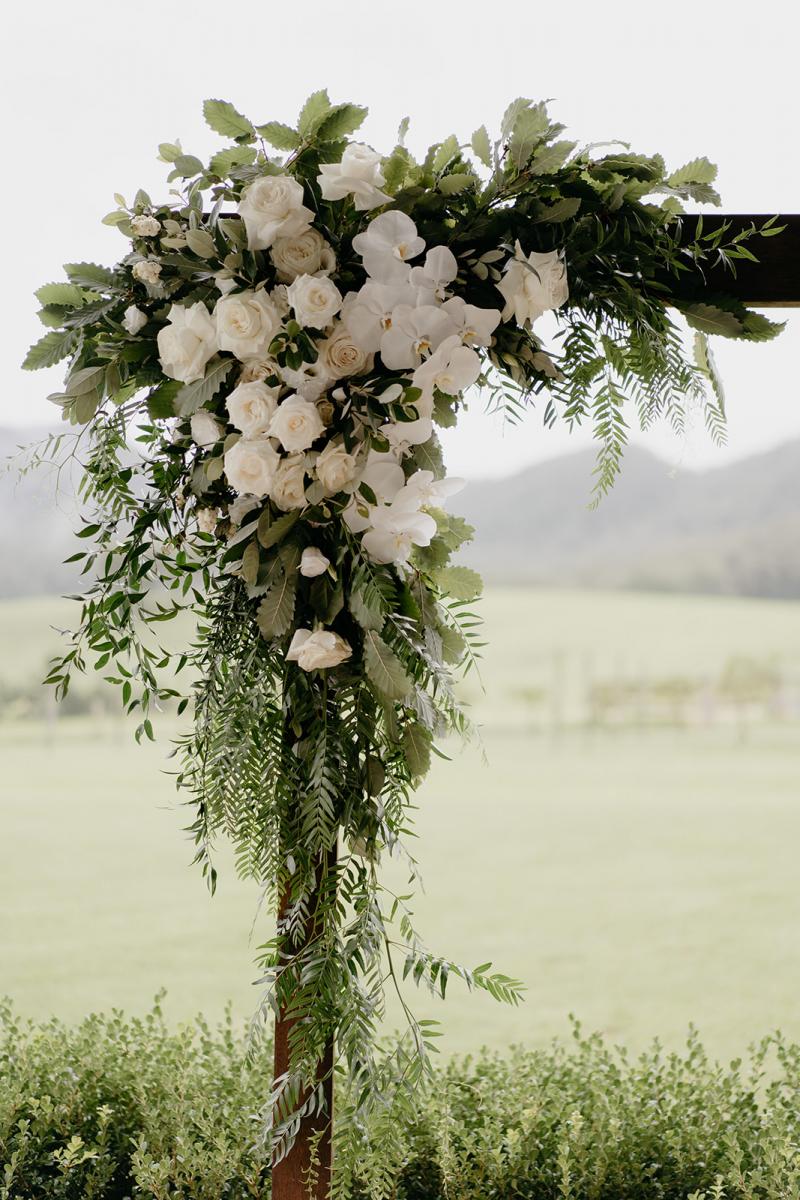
89,88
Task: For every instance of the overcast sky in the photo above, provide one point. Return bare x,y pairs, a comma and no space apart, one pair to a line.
91,87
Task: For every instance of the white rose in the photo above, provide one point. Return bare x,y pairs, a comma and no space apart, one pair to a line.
272,207
207,519
304,254
318,650
531,285
147,271
315,299
313,562
187,343
296,424
246,324
335,467
341,355
133,319
358,175
256,369
289,485
206,432
251,407
240,508
145,226
250,466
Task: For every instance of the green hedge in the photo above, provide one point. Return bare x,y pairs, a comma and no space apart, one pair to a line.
121,1107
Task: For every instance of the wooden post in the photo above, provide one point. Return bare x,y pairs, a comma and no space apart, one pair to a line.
306,1172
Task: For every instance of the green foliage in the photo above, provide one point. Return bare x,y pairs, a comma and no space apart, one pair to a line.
223,118
50,349
118,1107
195,395
384,668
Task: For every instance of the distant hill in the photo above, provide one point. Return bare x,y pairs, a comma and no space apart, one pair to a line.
733,529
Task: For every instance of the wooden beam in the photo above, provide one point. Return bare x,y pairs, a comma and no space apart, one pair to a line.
773,281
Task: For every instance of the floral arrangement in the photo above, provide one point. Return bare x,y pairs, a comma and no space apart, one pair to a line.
255,389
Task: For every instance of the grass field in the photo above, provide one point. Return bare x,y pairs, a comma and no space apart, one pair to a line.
642,879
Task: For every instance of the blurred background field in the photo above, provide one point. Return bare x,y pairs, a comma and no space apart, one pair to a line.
628,847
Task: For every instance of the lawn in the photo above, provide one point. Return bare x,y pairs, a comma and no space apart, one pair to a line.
641,878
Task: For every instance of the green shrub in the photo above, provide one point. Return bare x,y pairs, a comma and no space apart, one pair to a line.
120,1107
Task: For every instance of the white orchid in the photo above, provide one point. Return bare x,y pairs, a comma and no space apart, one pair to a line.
358,175
395,533
424,490
383,475
474,325
452,368
413,334
387,244
431,280
367,313
403,435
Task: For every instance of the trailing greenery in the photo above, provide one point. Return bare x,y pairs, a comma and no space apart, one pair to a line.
120,1108
254,389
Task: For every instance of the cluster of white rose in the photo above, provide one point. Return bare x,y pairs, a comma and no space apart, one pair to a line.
406,311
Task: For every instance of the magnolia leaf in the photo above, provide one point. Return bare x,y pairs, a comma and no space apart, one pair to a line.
50,349
194,395
201,242
251,560
529,128
710,319
428,457
341,120
66,294
758,328
443,154
510,115
236,156
443,412
276,610
282,137
551,158
395,168
451,185
481,146
384,668
90,275
562,210
224,118
699,170
312,113
454,646
417,749
366,605
462,583
271,531
161,401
